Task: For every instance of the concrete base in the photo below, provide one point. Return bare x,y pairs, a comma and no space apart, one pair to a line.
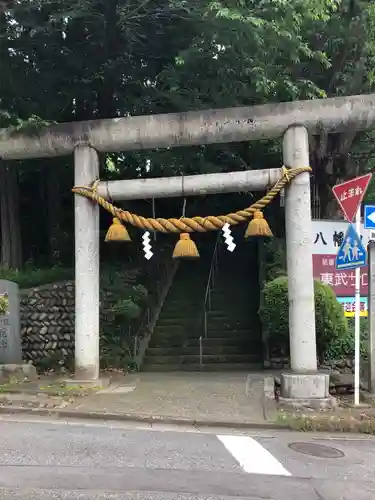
317,404
99,383
18,371
304,386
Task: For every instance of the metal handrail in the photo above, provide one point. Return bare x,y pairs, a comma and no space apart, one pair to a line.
207,296
211,282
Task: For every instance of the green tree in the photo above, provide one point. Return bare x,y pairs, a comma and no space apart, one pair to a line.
69,60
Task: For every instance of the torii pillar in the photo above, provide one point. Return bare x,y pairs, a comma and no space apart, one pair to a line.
303,382
87,267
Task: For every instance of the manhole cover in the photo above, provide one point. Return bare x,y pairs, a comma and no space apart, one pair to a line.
316,450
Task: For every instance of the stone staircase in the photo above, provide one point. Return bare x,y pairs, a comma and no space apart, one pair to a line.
233,325
233,340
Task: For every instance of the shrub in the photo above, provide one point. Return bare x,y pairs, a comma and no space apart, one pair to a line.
343,347
30,276
274,313
122,319
274,258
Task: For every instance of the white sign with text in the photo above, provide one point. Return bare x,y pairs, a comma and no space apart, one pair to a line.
327,236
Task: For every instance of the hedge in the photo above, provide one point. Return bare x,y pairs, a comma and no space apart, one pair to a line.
331,323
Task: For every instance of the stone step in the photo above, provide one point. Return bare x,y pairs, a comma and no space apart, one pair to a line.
232,291
213,367
182,308
179,307
170,329
231,301
231,323
221,314
181,316
194,295
251,344
192,280
215,349
221,332
175,319
207,358
234,296
176,298
236,302
187,275
225,329
240,283
190,332
180,324
228,271
230,298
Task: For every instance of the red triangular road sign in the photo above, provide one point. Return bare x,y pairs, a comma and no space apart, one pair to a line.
350,194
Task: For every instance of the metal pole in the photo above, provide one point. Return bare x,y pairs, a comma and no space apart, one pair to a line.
299,254
86,216
357,317
190,185
371,314
200,352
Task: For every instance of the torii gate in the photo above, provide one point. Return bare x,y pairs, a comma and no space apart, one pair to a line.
294,121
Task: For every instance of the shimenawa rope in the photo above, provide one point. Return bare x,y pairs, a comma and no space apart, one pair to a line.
190,224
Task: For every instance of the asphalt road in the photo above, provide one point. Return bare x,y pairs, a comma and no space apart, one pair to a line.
107,461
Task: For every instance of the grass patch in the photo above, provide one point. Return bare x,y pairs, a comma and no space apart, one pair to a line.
356,422
64,390
29,277
4,388
12,383
48,389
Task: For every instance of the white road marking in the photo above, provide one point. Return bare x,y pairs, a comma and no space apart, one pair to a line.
252,457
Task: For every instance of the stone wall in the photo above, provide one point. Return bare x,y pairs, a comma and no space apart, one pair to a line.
47,321
48,315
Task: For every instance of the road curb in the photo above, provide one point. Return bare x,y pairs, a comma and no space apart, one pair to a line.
146,419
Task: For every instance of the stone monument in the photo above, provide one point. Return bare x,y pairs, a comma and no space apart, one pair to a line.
10,337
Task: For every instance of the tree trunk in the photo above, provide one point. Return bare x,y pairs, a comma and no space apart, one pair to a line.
52,187
11,246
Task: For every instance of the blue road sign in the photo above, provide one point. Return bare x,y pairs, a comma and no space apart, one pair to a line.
369,217
352,253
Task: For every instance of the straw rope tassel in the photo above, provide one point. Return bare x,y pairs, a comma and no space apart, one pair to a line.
185,225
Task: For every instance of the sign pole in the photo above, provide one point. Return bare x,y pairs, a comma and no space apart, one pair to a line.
371,315
357,317
352,254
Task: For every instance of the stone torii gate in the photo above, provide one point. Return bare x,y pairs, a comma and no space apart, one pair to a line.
293,121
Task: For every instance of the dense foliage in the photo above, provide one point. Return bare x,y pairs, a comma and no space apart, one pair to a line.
343,347
331,325
71,60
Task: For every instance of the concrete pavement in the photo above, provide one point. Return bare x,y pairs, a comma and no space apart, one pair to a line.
212,398
235,398
73,460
